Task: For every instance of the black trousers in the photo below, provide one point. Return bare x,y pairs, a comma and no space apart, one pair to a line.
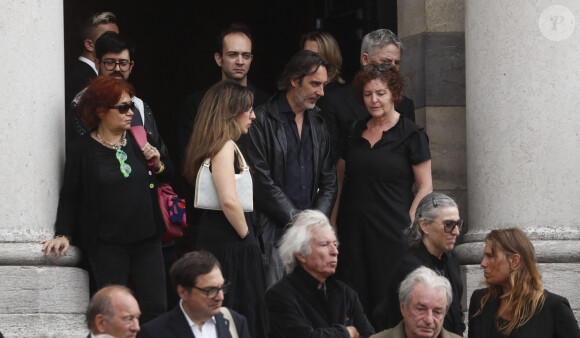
137,265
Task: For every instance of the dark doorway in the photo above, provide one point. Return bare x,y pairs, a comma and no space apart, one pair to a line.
175,40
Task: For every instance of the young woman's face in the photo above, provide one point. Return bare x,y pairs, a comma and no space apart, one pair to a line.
244,120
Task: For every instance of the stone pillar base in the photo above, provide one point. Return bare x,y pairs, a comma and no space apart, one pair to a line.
38,299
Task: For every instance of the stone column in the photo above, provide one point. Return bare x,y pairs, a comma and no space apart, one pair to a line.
38,296
433,65
523,157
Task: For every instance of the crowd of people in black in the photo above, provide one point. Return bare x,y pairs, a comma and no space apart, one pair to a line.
329,162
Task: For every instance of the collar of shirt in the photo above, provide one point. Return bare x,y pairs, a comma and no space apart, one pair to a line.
90,63
194,327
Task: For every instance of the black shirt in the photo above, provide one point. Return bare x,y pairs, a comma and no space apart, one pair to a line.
298,179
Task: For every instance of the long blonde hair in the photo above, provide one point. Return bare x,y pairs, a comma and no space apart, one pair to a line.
526,296
215,123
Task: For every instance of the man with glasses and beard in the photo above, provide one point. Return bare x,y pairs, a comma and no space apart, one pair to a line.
115,58
198,279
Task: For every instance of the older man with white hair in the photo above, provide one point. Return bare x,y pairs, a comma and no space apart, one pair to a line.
309,302
424,297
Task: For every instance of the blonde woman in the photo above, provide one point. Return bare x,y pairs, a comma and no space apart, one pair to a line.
225,113
515,303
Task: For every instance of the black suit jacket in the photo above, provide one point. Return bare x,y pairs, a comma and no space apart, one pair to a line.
340,109
78,78
554,320
174,325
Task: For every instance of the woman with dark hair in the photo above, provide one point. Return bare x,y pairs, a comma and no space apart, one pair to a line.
515,303
431,239
108,204
384,157
225,113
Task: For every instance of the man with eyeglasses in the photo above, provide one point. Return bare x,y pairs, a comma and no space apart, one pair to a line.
114,55
198,279
341,108
234,56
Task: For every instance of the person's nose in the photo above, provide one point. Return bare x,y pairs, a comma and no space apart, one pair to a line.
240,59
428,318
483,263
333,250
456,231
135,325
252,115
374,98
130,112
320,91
220,295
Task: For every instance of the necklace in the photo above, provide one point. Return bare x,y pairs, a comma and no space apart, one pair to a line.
114,146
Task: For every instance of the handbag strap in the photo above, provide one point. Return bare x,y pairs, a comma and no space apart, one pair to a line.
140,135
241,159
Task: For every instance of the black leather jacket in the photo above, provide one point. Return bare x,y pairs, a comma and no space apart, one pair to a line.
265,149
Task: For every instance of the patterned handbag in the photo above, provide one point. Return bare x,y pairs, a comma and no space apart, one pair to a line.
206,195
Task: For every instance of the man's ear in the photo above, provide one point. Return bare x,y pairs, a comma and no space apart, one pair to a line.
300,258
218,59
295,82
402,307
100,323
89,45
365,59
182,292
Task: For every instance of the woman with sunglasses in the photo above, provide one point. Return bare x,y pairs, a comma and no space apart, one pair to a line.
225,113
515,303
384,157
431,238
108,204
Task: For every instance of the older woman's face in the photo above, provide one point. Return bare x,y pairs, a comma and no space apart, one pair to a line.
119,117
496,267
378,98
434,235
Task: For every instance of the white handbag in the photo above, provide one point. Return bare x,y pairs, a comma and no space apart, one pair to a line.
206,195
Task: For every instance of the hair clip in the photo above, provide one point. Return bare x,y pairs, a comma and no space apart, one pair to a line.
434,202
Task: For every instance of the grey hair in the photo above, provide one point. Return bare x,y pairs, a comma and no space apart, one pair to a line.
296,240
376,39
430,279
428,209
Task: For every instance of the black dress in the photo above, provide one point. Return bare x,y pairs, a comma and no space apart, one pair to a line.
241,262
374,207
554,320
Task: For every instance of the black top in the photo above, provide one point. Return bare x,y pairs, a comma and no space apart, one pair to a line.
374,207
299,167
121,197
297,308
554,320
388,314
341,109
81,208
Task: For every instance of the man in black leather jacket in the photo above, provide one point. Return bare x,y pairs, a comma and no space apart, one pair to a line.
288,149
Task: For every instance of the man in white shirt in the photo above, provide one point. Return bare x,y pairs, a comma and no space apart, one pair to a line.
198,280
114,311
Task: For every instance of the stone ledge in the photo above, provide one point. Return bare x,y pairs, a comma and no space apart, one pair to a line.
44,325
28,253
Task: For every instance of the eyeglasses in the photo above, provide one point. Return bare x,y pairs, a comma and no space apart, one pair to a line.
381,67
125,168
449,225
124,107
111,64
213,292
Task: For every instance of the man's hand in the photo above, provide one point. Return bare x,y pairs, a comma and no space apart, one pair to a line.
353,332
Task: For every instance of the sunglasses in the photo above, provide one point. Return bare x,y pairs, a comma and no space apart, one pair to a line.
125,168
124,107
377,68
449,225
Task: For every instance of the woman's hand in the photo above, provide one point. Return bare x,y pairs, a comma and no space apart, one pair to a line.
152,155
60,246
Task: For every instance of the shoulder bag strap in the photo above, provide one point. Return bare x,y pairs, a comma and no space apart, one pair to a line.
227,315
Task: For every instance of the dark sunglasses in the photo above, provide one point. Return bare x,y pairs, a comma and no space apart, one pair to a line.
449,225
124,107
377,67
